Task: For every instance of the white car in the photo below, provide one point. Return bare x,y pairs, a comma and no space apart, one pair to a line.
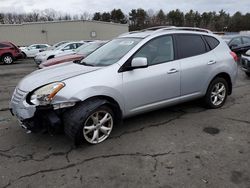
33,49
46,55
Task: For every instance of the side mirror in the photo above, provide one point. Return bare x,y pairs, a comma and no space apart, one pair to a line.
139,62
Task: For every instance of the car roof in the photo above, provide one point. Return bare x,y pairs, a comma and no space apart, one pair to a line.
163,29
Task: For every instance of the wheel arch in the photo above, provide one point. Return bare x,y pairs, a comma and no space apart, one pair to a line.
50,57
227,77
109,101
7,53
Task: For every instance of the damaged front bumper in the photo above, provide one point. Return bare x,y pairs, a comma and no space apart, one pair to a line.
37,118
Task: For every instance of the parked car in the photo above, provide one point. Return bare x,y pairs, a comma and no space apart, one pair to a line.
46,55
77,55
9,52
57,45
33,50
238,44
132,74
245,62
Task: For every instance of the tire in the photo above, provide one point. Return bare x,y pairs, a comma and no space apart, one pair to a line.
216,96
7,59
81,125
24,55
248,74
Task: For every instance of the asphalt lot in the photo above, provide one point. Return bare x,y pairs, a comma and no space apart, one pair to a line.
172,147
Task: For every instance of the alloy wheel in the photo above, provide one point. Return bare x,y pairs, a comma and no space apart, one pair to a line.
98,127
7,60
218,94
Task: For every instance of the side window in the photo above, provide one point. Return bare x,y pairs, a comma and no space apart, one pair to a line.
42,46
246,40
190,45
236,41
212,42
74,46
68,47
158,50
78,45
3,45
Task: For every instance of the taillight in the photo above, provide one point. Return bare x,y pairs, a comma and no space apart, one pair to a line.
235,57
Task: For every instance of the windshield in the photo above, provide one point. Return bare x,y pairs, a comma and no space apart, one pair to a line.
61,46
111,52
86,50
81,47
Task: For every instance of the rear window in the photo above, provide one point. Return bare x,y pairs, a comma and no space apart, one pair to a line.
212,42
3,45
190,45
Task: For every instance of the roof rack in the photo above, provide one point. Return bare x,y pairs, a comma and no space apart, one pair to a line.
163,28
158,29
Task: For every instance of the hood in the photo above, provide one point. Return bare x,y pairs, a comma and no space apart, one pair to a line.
23,48
63,53
62,59
53,74
48,52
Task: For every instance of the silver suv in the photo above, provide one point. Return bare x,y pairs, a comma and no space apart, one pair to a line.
132,74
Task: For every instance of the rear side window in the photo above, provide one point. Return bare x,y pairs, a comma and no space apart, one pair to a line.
246,40
190,45
212,42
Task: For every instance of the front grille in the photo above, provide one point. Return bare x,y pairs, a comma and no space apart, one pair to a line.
18,95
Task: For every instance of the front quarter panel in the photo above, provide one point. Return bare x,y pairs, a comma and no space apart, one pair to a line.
106,82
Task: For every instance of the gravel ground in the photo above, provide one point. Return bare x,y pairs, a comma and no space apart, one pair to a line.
181,146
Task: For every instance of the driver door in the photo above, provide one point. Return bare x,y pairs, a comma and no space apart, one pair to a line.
154,86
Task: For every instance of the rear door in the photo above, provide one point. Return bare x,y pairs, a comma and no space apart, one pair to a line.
195,62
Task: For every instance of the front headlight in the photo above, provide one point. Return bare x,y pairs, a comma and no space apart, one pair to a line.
44,95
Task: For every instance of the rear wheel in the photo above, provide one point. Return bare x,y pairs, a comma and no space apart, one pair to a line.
89,122
7,59
217,93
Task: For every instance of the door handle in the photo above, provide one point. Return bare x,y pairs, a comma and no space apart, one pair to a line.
172,71
211,62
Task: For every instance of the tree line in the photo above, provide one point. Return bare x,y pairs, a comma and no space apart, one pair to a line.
140,18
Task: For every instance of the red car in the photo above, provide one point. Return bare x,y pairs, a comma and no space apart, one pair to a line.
78,55
9,52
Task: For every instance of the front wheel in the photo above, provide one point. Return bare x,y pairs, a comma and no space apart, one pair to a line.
217,93
89,123
7,59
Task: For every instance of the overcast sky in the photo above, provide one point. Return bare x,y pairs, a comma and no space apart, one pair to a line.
91,6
